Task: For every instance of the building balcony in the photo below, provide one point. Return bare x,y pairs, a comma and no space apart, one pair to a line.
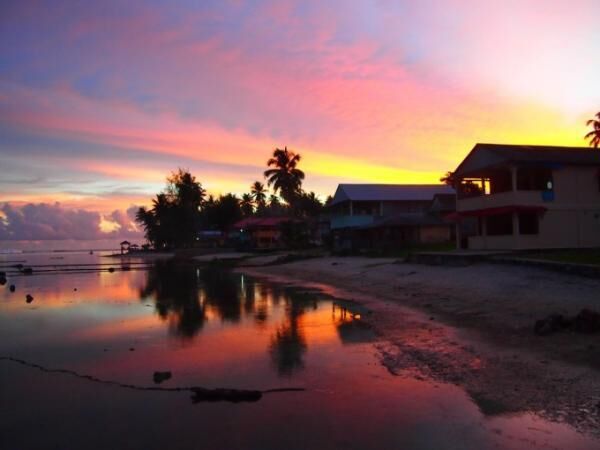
533,198
347,221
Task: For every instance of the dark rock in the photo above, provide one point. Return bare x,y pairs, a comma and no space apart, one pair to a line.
159,377
2,274
12,288
27,270
132,349
29,298
224,395
111,269
74,289
2,281
125,268
587,321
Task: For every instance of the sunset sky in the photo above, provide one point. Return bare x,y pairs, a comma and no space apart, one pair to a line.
100,101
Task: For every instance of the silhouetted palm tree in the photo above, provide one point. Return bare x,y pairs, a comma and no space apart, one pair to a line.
247,205
174,217
594,135
285,177
259,195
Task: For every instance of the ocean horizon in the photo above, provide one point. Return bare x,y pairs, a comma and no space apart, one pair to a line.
58,246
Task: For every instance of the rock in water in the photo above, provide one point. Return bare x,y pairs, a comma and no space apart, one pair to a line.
111,269
27,270
2,281
12,288
159,377
29,298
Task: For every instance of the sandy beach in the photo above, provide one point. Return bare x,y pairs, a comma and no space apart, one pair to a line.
472,326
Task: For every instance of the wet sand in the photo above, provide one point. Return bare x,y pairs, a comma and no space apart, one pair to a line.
473,327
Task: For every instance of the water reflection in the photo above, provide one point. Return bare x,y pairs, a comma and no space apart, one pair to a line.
187,297
288,343
175,291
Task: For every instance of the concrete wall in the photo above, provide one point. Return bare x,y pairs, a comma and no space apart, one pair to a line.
557,229
572,219
433,234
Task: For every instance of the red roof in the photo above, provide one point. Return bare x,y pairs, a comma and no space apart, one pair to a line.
495,211
261,222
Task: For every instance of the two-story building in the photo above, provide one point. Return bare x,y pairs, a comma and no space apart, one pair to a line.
528,197
387,216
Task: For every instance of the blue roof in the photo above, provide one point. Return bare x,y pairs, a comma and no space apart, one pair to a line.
388,192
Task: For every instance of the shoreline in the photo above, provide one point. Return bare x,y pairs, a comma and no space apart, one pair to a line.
472,327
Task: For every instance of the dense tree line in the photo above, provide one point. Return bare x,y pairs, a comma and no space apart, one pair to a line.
182,209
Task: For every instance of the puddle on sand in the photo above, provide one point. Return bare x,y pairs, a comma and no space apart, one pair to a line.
217,329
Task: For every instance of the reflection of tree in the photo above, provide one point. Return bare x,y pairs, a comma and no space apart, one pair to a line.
222,291
183,294
288,344
175,289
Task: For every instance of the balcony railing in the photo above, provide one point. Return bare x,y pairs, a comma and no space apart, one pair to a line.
503,199
346,221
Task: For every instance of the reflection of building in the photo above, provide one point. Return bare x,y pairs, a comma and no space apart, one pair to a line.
387,216
524,197
348,324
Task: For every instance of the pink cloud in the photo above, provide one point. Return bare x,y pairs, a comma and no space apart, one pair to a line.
46,221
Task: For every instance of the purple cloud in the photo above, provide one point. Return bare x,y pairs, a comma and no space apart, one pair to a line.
46,221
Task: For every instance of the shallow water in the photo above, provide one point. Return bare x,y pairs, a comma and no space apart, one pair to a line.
214,328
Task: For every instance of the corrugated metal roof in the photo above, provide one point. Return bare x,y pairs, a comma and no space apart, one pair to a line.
388,192
487,155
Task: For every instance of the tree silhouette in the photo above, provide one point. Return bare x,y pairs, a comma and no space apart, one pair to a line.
247,205
174,217
275,207
448,178
222,213
284,176
594,135
307,205
259,196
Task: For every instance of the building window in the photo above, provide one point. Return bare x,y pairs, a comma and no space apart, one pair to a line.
534,179
499,225
528,223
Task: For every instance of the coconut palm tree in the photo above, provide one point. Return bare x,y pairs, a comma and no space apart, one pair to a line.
259,194
594,135
247,205
285,177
